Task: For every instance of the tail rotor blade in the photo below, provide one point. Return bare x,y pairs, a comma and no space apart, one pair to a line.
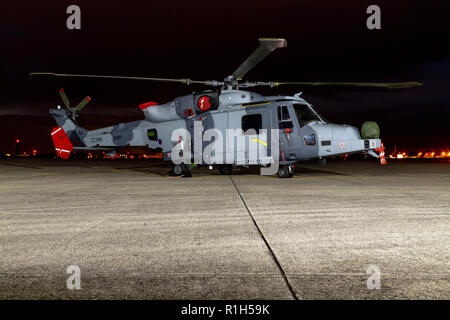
82,104
63,95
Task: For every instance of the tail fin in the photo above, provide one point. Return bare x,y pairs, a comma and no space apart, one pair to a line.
63,146
74,133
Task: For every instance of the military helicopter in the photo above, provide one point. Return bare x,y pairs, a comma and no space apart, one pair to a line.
302,133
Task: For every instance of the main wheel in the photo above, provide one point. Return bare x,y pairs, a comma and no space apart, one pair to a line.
285,172
225,169
177,170
291,171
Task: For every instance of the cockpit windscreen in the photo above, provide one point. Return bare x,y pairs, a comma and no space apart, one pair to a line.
304,114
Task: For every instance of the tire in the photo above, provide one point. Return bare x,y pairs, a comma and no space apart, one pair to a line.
291,172
284,172
177,170
225,170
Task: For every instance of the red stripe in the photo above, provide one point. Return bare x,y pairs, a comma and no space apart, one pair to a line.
147,105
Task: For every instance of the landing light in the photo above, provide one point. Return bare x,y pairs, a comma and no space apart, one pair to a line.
310,139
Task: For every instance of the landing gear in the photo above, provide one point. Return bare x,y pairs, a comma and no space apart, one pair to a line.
286,172
181,169
187,171
225,170
177,170
322,162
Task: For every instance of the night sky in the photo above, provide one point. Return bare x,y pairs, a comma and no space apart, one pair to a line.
205,40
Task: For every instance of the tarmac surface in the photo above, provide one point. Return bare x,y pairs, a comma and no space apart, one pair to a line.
137,234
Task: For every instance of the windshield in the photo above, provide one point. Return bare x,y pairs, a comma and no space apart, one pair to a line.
304,114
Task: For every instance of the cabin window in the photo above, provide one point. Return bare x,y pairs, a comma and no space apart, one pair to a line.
283,113
252,121
152,134
284,119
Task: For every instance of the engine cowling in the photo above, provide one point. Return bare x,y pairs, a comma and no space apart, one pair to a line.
155,112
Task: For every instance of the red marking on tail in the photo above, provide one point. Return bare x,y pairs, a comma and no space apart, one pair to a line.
63,146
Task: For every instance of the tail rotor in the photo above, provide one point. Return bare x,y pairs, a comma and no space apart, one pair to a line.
72,112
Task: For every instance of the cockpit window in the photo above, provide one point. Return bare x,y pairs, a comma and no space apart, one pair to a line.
304,114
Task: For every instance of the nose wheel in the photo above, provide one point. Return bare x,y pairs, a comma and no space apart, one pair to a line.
286,172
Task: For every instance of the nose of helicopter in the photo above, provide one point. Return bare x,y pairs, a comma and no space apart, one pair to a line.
336,132
345,132
334,139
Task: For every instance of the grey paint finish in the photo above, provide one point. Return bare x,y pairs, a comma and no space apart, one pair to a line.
233,105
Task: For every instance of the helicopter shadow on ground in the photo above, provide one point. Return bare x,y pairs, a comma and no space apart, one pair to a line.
163,169
255,170
160,169
304,170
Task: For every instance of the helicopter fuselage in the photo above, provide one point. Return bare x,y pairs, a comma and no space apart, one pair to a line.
303,133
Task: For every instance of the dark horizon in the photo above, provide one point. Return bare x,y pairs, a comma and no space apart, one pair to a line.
204,41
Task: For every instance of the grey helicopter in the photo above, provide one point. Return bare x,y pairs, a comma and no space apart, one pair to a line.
301,133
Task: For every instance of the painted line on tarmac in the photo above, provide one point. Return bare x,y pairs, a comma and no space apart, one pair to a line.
272,254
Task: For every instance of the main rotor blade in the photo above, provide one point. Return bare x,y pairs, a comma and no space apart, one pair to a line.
68,75
267,45
391,85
